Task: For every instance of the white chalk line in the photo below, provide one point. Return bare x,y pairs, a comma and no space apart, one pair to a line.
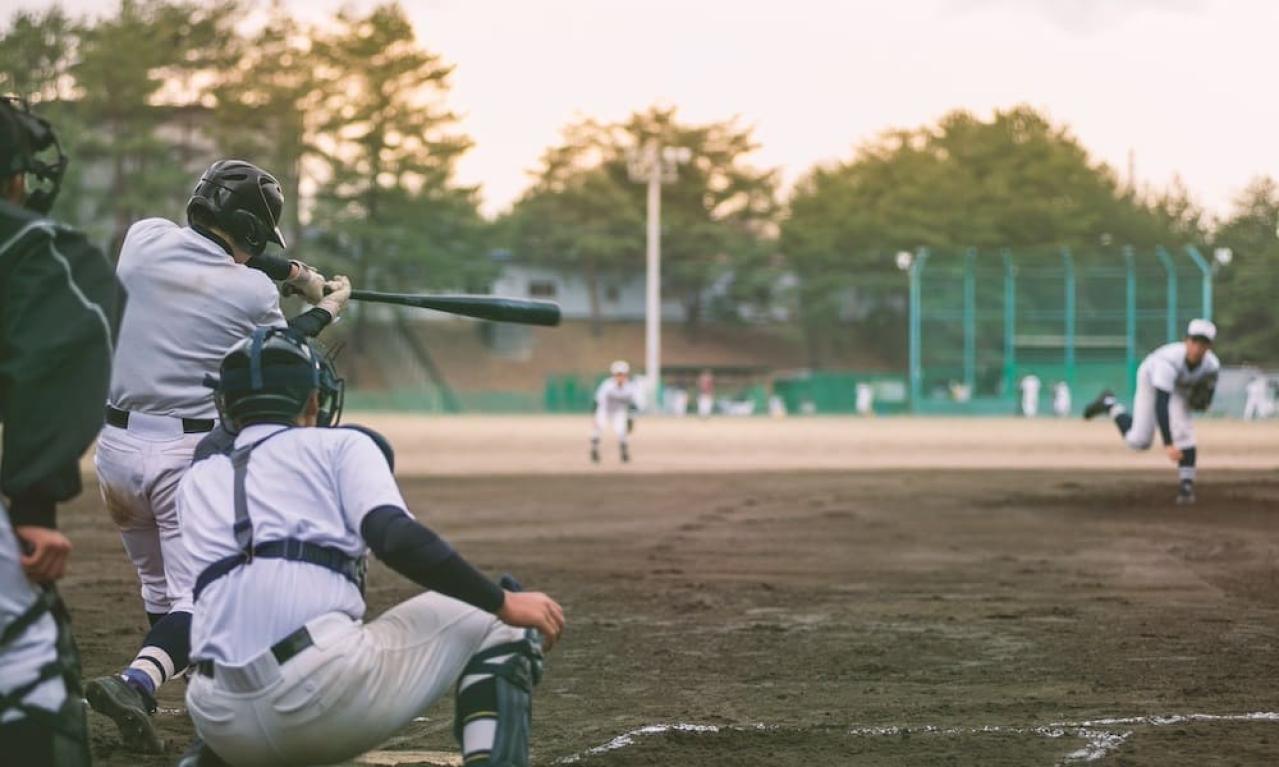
1098,742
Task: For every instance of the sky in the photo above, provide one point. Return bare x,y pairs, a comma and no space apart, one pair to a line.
1189,87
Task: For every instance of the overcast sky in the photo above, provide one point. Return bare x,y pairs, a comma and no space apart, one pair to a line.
1190,86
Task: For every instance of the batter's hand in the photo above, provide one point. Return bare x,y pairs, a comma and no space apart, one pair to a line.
337,292
534,610
1174,453
45,552
307,282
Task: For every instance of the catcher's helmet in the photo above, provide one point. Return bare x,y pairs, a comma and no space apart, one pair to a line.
242,200
269,376
23,137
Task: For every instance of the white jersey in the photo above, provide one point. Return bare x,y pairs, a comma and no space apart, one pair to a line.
613,397
188,302
1166,369
315,484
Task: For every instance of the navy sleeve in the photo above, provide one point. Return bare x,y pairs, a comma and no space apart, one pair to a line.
275,267
311,322
416,552
1161,415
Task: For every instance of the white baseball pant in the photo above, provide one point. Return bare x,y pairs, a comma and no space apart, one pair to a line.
1142,432
22,658
614,419
138,474
355,687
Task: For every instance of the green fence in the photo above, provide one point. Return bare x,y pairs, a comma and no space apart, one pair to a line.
980,321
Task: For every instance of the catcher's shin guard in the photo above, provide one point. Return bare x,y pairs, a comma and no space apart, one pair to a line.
494,710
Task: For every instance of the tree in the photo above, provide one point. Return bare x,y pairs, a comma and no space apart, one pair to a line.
715,216
390,146
1246,289
264,106
1014,181
36,53
136,84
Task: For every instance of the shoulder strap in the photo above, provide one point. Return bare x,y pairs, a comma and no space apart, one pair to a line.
243,526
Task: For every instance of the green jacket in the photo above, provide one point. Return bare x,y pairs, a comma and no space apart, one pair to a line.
60,307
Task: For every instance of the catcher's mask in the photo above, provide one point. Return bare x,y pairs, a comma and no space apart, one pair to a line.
269,377
24,137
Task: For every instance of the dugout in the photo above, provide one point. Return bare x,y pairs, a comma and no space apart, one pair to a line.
979,321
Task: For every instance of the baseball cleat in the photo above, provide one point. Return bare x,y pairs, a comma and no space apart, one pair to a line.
626,454
1099,406
595,455
114,698
1186,494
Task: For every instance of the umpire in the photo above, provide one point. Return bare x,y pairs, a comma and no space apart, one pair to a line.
59,306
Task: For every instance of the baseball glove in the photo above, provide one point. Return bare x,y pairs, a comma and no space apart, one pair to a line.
1201,394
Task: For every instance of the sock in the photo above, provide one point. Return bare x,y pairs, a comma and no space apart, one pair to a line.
164,653
154,618
1186,467
1122,419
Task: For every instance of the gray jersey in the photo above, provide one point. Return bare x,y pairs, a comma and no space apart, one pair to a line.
1166,368
612,397
188,302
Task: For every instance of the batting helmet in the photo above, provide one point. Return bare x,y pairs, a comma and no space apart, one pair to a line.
242,200
269,377
23,137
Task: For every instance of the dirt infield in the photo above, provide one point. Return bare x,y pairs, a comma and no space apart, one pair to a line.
887,617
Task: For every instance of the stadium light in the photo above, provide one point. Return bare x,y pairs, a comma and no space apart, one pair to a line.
654,165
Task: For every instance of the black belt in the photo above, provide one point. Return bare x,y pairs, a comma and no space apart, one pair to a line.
283,650
120,419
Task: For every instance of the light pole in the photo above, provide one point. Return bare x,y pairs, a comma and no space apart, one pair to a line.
654,165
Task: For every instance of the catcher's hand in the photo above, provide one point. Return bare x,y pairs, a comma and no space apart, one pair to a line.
337,292
307,283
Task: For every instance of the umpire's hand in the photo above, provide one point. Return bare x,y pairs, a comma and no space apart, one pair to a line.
45,552
533,610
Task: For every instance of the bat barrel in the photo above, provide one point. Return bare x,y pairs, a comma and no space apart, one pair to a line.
494,308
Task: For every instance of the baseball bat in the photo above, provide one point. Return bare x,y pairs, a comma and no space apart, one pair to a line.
495,308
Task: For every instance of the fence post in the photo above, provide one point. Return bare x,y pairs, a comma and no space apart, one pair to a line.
1130,314
1207,279
970,321
1171,269
1010,323
916,310
1068,262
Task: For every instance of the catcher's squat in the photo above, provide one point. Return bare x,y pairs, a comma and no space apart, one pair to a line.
60,304
615,406
285,671
1172,381
192,295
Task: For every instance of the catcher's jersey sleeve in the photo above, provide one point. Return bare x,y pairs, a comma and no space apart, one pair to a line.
58,317
188,303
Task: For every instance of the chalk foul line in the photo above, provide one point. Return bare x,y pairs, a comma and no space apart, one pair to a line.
1099,736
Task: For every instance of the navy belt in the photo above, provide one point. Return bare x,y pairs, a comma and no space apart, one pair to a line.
284,651
120,419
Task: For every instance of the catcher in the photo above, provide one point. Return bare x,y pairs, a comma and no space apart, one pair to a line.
1173,381
286,671
61,305
194,291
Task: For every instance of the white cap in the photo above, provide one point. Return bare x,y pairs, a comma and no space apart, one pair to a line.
1202,328
619,366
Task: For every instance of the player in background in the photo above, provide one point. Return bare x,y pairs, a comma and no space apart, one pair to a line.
287,671
1172,381
1258,402
1061,399
705,393
194,291
616,401
1030,386
60,306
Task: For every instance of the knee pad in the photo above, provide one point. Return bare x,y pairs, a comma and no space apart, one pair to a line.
502,693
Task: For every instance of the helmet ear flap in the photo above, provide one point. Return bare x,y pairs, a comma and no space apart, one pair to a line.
249,231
